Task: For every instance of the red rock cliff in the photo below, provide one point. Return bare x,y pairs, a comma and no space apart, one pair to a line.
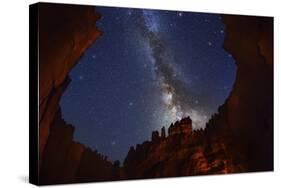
245,121
66,31
182,153
239,138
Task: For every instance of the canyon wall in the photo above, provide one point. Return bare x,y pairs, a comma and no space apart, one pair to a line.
245,121
239,138
66,31
182,153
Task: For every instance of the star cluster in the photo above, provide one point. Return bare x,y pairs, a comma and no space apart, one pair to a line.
148,69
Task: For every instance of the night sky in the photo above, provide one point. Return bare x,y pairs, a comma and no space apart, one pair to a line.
148,69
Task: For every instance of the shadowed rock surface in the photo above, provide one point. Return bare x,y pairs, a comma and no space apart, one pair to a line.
239,138
66,31
182,153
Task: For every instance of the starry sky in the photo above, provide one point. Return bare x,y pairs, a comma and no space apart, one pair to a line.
148,69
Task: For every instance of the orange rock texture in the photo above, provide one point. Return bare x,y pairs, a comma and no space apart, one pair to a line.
182,153
239,138
65,32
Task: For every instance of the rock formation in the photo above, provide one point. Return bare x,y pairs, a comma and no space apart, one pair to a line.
245,121
239,138
66,31
183,152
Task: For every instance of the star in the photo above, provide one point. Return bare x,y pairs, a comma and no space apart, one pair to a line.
179,14
113,143
158,57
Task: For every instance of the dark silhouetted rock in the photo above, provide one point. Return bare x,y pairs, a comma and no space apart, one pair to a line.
163,132
155,136
66,31
239,138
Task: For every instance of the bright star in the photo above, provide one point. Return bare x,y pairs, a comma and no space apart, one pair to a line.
210,43
180,14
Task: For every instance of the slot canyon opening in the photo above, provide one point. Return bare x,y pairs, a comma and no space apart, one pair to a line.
149,69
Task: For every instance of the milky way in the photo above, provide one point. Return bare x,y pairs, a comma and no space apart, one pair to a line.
174,93
148,69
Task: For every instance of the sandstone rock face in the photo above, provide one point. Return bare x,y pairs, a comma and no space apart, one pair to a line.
181,153
66,31
239,138
66,161
182,127
245,121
